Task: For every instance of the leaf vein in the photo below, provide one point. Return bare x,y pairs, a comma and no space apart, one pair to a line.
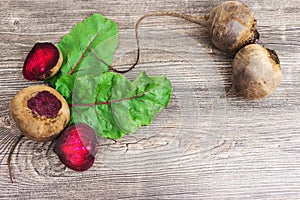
84,52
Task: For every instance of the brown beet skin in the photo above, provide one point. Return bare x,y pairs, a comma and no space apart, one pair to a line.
231,26
256,72
40,112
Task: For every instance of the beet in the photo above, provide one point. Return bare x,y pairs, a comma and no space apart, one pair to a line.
40,112
77,146
43,61
231,25
256,72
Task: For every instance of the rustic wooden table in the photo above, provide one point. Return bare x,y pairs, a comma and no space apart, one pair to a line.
202,146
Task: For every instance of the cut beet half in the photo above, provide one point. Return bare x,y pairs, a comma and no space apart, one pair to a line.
77,146
43,61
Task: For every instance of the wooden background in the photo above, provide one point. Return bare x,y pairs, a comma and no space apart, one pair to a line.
202,146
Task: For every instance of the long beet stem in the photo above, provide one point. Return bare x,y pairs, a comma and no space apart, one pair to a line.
201,20
9,157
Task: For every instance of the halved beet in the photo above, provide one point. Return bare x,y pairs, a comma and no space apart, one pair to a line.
77,146
40,112
43,61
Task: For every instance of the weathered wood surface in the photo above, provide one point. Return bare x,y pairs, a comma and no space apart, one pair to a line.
201,147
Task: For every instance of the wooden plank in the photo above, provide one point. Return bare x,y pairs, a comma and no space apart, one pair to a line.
201,146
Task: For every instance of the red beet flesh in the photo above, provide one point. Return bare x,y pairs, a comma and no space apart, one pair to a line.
40,60
44,104
77,146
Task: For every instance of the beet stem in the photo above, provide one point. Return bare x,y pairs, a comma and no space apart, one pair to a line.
201,20
9,157
111,67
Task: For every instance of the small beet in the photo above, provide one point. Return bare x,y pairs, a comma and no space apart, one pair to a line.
256,72
231,25
43,61
40,112
77,146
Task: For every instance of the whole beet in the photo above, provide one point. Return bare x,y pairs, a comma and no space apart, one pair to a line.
231,25
77,146
256,72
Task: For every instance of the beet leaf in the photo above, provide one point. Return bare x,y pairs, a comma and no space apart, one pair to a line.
113,105
88,47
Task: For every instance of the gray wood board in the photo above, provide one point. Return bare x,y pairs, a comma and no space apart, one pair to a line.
202,146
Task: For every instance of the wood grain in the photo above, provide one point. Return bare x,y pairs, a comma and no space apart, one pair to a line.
202,146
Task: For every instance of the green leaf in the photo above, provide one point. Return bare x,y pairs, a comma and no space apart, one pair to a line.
88,46
115,106
111,104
